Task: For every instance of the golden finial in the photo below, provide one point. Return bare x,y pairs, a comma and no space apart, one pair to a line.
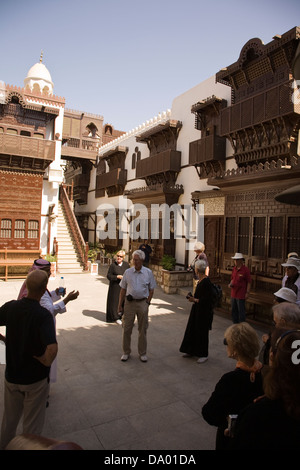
41,57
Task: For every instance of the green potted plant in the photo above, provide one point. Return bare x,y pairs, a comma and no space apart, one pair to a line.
168,262
92,255
52,260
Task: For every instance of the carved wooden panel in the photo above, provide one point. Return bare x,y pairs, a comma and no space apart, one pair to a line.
21,197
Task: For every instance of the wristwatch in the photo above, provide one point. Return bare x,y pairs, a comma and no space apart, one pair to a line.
148,302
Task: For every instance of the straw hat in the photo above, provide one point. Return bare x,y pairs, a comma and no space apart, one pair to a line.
292,263
287,294
238,256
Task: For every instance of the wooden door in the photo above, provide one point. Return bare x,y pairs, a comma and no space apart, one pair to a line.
213,240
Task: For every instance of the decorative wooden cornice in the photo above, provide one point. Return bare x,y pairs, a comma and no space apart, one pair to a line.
161,137
211,102
26,95
262,172
159,193
254,51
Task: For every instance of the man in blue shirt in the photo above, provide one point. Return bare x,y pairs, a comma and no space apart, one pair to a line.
137,287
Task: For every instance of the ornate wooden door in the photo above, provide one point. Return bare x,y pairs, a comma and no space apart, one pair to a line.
213,240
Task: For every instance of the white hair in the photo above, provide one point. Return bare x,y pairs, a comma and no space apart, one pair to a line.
140,254
288,312
199,246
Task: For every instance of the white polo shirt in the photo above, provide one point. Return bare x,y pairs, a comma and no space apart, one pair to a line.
138,283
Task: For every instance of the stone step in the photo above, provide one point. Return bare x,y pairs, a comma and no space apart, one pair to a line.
66,244
63,270
67,256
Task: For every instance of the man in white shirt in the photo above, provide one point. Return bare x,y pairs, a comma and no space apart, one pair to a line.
137,287
291,278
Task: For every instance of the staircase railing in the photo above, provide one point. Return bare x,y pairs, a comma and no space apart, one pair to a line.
81,246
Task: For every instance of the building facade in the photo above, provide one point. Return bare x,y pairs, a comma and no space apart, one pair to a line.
208,169
42,145
229,145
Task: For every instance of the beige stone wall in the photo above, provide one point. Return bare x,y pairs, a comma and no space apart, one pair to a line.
172,281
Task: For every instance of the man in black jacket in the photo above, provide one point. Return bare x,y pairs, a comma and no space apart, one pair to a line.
31,348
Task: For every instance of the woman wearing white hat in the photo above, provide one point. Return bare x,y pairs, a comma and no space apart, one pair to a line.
240,287
292,276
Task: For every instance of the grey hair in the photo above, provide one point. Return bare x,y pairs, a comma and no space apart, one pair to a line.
288,312
140,254
200,265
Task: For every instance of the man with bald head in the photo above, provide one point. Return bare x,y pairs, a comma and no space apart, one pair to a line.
31,348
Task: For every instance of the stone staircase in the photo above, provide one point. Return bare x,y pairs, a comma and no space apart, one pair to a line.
67,257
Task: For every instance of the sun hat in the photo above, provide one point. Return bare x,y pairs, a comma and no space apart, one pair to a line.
292,263
287,294
293,254
238,256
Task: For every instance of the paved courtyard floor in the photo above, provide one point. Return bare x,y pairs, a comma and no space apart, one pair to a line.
102,403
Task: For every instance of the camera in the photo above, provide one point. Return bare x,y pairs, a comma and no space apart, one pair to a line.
231,424
129,297
189,295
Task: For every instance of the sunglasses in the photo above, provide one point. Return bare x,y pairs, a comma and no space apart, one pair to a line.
119,256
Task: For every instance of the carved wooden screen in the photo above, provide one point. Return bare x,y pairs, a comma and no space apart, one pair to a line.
230,235
259,236
276,237
293,238
244,235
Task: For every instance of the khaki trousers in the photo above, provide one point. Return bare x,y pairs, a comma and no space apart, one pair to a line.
132,309
29,400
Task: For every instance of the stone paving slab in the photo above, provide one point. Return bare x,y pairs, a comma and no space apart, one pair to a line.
102,403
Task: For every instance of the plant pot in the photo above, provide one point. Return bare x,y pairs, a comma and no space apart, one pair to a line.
94,269
53,270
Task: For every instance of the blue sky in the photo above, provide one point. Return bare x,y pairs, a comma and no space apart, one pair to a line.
128,59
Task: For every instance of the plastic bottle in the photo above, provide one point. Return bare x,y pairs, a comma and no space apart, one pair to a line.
62,289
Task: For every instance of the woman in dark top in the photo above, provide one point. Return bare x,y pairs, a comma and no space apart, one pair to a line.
196,336
238,388
273,422
114,275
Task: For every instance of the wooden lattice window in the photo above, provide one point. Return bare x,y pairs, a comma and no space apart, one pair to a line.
136,156
33,229
230,234
243,235
5,231
259,236
293,237
19,231
276,237
133,161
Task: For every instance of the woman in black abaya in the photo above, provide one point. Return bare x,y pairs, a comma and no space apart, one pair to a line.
195,341
114,275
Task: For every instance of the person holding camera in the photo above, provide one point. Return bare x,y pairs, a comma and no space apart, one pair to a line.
272,423
238,388
137,288
196,336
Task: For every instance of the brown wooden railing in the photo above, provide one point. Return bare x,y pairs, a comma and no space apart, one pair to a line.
82,247
27,146
207,149
115,177
168,160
